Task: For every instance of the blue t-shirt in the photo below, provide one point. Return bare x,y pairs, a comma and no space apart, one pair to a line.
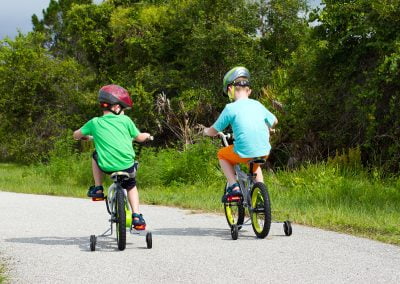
250,122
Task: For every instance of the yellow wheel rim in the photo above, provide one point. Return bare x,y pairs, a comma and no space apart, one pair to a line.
228,211
256,199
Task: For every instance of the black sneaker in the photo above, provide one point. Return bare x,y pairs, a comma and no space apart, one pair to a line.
139,223
93,192
232,191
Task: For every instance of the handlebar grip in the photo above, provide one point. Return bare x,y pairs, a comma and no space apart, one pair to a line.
87,138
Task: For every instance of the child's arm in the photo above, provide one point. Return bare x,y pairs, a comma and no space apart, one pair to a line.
210,131
78,134
274,124
142,137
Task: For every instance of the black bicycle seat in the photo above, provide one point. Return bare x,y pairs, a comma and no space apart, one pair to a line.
122,175
258,161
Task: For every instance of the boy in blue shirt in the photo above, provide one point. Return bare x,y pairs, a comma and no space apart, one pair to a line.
250,122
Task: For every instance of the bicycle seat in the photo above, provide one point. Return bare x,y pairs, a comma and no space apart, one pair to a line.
122,175
257,161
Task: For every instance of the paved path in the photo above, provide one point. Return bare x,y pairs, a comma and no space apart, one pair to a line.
45,239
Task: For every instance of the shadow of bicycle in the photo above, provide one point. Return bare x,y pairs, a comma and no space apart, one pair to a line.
223,233
245,232
103,243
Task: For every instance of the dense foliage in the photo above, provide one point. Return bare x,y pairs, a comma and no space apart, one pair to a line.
334,69
41,97
342,86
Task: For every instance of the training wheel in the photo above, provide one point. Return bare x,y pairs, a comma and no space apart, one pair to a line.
93,242
149,240
287,228
234,232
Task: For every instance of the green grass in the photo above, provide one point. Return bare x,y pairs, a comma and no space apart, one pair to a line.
324,195
351,202
3,277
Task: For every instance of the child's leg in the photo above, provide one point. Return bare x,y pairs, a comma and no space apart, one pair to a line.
259,176
97,189
138,221
97,174
133,198
227,158
228,171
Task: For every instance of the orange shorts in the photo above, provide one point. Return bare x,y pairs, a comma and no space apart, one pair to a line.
229,155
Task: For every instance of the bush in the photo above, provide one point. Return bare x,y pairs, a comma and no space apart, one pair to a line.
66,165
197,163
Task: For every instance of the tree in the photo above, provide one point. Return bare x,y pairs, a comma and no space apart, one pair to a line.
53,23
344,82
40,98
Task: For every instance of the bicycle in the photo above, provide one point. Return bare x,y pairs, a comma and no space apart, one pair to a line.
255,199
119,209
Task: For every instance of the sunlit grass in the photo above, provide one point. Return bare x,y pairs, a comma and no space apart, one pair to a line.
345,200
3,277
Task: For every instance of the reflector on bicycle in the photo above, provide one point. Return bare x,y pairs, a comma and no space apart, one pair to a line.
98,198
236,198
140,227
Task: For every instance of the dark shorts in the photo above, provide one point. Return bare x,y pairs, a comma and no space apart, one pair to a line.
127,184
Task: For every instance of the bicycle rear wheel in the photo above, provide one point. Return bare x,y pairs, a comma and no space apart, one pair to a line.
261,210
120,218
234,213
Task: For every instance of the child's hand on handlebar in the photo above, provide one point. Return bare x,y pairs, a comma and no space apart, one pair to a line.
273,131
143,137
87,138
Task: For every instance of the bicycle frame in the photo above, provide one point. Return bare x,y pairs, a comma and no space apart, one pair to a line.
110,203
116,202
248,184
245,180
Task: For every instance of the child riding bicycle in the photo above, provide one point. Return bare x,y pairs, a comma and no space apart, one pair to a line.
250,122
113,134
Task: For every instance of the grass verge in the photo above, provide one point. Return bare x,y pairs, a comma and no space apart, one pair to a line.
323,196
3,277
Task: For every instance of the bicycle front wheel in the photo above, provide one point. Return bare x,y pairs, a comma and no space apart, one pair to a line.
120,219
234,213
260,210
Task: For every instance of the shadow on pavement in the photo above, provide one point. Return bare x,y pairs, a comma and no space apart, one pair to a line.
103,243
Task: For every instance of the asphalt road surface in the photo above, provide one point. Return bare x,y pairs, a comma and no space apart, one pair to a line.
45,239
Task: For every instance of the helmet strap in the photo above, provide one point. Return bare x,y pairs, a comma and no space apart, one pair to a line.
117,112
109,107
231,93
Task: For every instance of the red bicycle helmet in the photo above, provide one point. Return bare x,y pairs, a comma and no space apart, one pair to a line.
112,95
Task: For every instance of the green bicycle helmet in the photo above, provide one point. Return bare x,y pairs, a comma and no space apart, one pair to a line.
233,74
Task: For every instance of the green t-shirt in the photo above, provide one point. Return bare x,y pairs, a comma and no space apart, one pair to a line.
112,135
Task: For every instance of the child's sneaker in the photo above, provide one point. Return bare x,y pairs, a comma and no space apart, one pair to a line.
94,192
138,222
233,193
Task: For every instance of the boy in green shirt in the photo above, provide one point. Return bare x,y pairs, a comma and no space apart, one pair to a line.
112,135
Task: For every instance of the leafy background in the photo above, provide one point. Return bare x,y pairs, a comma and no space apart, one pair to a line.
330,74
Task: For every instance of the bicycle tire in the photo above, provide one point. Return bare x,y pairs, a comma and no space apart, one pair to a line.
234,213
120,218
260,210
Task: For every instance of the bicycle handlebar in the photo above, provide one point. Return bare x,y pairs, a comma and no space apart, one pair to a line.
87,138
140,145
225,137
90,138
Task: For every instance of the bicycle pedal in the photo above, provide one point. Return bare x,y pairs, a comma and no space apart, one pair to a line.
98,198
